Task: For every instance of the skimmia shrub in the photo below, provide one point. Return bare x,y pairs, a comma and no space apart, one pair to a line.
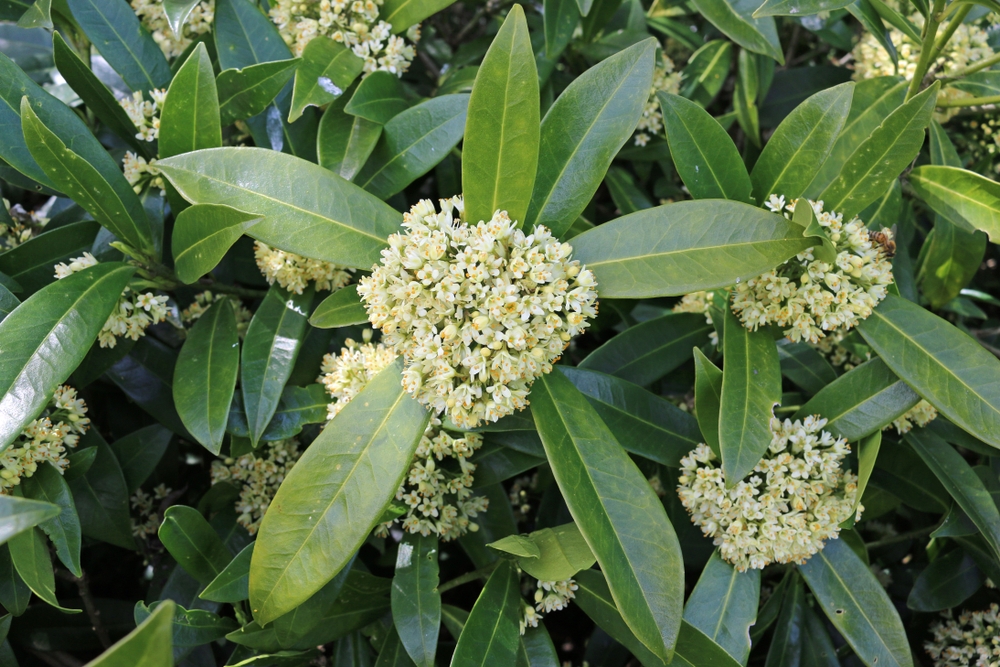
413,333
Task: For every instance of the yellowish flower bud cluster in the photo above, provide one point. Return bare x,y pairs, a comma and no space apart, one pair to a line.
26,224
651,122
353,23
139,171
550,596
977,139
838,355
134,312
154,19
257,475
438,496
812,297
45,439
973,640
293,272
146,520
478,311
202,302
145,114
794,500
920,415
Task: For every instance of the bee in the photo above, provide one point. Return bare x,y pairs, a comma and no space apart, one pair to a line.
884,239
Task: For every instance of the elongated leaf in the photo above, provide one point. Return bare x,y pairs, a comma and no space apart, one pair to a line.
723,605
149,645
562,551
47,336
798,7
708,399
947,582
47,485
706,71
102,496
14,593
706,158
8,302
500,153
326,71
490,635
857,605
751,387
805,366
334,495
39,15
583,131
203,234
247,92
19,514
736,20
177,12
416,604
412,143
685,247
233,583
899,468
787,642
31,560
31,263
193,543
614,508
802,143
963,197
868,449
139,452
345,142
560,20
950,259
340,309
942,364
401,14
191,627
189,120
306,209
379,98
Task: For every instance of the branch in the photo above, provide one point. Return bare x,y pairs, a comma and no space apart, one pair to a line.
83,586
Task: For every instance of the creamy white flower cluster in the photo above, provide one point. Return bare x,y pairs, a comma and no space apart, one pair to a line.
26,224
139,172
699,302
920,415
438,498
293,272
204,300
131,316
651,122
973,640
794,500
977,139
145,114
154,19
353,23
478,311
45,439
838,355
258,476
549,596
146,520
812,297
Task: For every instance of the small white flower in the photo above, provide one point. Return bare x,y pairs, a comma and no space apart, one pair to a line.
972,640
257,475
920,415
293,272
153,17
651,122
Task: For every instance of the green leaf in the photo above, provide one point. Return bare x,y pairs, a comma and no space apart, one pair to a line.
331,499
39,15
146,375
392,653
707,399
249,91
402,14
500,152
490,636
139,452
191,627
562,552
944,365
116,33
47,485
31,263
416,603
102,497
112,202
412,143
963,197
560,20
298,406
817,647
879,159
517,545
19,514
245,35
802,143
950,259
177,12
340,309
648,351
583,131
233,583
8,302
805,366
857,605
868,449
189,120
723,605
306,209
798,7
861,401
47,336
735,20
203,234
706,158
31,560
14,593
787,642
379,97
271,346
326,71
947,582
900,469
615,510
345,142
751,387
193,543
685,247
149,645
205,375
745,96
706,71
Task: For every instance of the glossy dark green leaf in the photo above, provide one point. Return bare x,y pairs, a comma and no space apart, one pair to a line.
583,131
392,653
947,582
102,496
723,605
736,20
193,543
900,469
745,96
177,12
48,335
345,142
806,367
271,346
297,407
47,485
191,627
19,514
868,449
500,151
39,15
361,600
950,259
614,508
31,559
416,603
490,636
560,20
340,309
496,463
706,71
412,143
562,552
402,14
146,375
751,387
233,583
797,7
857,605
706,158
205,375
14,593
963,197
326,71
31,263
379,98
249,91
189,120
333,496
707,399
149,645
139,452
8,302
203,234
306,209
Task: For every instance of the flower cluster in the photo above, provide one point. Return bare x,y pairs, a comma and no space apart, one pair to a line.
920,415
973,640
699,302
651,123
154,19
549,596
794,500
258,476
293,272
353,23
977,139
438,497
812,297
139,172
147,517
838,355
145,114
25,225
133,313
45,439
477,311
202,302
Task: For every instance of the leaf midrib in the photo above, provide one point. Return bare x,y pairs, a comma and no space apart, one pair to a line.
667,253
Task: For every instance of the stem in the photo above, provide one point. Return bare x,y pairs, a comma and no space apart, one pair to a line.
232,289
968,101
83,586
926,49
902,537
982,64
481,573
953,25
